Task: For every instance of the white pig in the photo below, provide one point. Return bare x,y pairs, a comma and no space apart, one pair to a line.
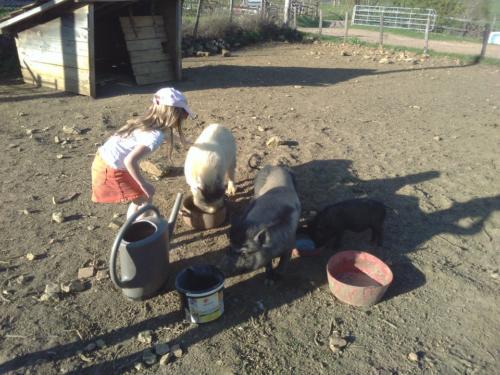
209,161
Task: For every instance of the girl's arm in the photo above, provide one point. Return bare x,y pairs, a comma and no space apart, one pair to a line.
184,141
131,162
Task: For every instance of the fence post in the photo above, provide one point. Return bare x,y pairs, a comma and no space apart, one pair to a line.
381,41
346,26
230,11
486,35
320,22
294,17
286,12
426,35
198,11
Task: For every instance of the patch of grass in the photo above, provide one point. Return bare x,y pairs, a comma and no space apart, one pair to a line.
338,13
416,34
335,13
356,41
307,21
5,11
495,7
340,39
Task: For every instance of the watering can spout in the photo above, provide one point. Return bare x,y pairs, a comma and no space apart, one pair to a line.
173,214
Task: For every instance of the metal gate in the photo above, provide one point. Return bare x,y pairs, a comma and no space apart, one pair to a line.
394,17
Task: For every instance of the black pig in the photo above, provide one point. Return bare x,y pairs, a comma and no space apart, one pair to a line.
355,215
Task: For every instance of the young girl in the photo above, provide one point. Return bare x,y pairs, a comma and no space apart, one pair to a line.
115,171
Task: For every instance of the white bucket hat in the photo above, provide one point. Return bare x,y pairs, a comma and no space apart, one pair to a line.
172,97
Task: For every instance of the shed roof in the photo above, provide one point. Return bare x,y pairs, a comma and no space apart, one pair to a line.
38,7
30,10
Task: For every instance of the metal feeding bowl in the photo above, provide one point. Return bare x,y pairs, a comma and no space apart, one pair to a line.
199,219
358,278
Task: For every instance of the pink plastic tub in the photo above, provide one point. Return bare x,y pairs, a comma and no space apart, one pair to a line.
358,278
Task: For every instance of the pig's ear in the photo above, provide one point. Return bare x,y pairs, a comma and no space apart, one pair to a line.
261,236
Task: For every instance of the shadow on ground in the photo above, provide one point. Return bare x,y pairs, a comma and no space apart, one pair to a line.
223,76
319,183
220,76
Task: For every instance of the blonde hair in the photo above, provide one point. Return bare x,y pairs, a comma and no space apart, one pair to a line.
157,117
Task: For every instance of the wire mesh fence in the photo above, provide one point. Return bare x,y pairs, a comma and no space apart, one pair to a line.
460,27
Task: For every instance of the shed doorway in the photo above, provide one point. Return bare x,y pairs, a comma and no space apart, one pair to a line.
130,49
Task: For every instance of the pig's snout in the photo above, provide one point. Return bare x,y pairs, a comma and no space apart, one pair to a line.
228,264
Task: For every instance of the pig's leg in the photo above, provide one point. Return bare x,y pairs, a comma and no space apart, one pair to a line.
270,274
231,189
273,275
283,264
377,235
334,242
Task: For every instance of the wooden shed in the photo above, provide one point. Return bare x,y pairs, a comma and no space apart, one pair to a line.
79,45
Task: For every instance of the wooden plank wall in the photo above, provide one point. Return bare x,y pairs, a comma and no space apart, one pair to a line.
172,14
56,54
147,47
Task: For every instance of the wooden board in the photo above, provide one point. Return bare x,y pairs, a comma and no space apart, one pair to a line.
57,83
27,72
147,32
52,45
146,44
56,33
141,21
147,79
137,57
30,13
42,69
54,58
172,15
91,28
152,67
56,54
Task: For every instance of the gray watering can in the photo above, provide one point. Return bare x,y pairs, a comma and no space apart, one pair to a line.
143,248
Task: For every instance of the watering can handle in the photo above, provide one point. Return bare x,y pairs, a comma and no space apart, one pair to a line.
116,245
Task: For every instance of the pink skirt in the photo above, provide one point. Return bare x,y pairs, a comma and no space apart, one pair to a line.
113,185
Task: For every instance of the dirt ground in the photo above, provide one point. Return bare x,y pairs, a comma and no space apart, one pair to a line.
423,138
445,46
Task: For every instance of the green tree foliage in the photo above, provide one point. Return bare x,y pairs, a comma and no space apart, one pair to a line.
478,9
446,8
471,9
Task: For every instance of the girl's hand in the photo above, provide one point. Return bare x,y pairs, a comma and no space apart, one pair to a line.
148,189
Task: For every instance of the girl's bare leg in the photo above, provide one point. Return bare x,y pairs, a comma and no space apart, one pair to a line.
136,205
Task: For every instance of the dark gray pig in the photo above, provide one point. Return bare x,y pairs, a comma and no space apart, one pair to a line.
355,215
266,229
